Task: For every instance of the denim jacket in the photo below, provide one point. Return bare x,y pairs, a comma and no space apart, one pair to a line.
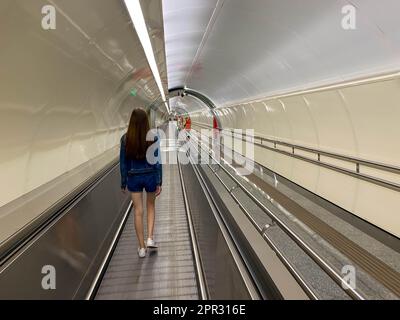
132,166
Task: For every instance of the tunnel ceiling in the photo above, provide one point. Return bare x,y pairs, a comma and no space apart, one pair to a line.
235,50
185,22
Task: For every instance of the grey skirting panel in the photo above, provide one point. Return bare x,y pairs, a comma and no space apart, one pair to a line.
61,262
223,278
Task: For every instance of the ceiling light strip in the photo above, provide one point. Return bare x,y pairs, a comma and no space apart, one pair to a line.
136,13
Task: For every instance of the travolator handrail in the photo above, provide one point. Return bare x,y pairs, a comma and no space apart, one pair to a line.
353,160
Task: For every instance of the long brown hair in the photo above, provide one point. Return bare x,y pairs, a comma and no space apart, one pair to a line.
136,144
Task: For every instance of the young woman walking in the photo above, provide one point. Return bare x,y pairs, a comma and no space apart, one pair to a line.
139,172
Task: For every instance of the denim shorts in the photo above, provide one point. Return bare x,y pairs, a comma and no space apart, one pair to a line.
146,181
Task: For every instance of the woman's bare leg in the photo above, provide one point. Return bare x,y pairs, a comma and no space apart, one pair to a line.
137,199
151,210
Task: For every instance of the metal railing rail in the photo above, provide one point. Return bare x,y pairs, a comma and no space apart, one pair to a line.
358,162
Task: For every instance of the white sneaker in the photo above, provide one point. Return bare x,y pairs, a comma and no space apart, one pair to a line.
141,252
151,243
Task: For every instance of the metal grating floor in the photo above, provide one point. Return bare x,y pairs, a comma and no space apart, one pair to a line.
167,273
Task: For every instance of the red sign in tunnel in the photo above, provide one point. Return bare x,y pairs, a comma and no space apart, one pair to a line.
215,122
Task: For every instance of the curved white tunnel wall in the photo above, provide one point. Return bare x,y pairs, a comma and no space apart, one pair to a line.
65,93
356,120
258,48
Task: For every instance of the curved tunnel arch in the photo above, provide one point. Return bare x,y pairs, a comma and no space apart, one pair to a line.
323,109
191,92
184,91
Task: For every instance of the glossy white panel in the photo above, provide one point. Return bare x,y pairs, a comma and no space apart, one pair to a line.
65,94
331,115
379,206
375,114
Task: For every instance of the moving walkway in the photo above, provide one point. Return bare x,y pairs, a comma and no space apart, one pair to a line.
220,236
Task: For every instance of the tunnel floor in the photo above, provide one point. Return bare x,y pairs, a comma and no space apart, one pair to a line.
166,273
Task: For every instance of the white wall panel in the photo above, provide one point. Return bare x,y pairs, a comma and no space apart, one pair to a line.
265,157
283,165
357,120
335,131
375,114
303,129
282,126
379,205
338,188
264,124
306,175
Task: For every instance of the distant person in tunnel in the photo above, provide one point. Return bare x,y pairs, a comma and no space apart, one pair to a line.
188,123
138,174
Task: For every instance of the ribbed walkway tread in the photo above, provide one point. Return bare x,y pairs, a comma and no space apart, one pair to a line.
168,273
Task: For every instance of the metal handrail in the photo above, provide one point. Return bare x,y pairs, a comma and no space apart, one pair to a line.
229,239
319,153
100,272
310,252
196,255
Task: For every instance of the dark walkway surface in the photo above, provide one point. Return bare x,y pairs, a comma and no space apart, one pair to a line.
168,273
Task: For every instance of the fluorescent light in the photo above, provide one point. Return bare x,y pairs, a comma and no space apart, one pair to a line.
166,106
136,13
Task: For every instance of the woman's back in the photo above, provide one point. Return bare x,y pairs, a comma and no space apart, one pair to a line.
135,163
140,165
137,155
